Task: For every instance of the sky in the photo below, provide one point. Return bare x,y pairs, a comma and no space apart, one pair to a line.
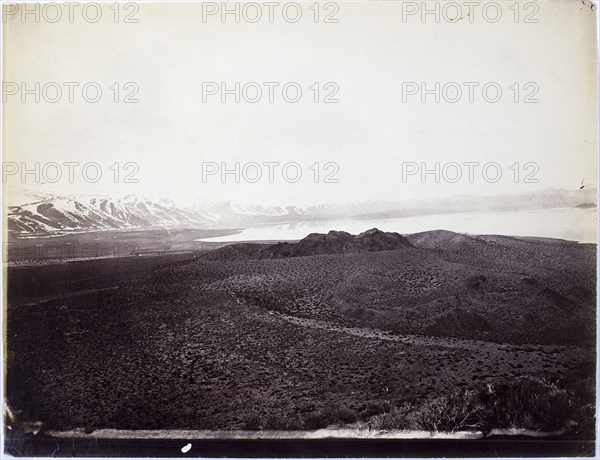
373,58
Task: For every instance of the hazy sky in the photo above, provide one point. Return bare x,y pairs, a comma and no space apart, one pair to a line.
369,53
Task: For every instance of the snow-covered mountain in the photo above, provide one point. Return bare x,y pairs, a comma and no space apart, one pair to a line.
46,213
43,213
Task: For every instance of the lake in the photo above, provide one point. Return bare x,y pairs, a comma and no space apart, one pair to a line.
565,223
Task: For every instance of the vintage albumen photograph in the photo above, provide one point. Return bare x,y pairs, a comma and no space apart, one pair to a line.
299,229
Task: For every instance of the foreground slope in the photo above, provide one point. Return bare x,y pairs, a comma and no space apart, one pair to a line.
285,340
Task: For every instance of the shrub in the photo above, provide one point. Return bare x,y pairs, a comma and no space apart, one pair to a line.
538,404
395,419
284,422
340,414
534,404
316,421
331,415
254,422
461,411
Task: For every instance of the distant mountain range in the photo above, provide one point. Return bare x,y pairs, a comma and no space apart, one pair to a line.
45,213
32,213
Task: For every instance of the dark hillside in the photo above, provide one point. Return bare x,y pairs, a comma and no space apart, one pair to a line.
285,336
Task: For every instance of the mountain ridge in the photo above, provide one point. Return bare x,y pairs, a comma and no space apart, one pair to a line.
336,242
37,213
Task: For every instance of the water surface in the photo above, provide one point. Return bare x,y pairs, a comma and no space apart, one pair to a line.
565,223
